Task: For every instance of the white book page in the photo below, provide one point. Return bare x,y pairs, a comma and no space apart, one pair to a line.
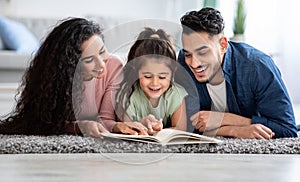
166,137
171,136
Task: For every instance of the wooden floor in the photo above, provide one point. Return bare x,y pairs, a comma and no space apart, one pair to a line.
148,167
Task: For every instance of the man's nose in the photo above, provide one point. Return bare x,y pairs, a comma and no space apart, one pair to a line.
195,62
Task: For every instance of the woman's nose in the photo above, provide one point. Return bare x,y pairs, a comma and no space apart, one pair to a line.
99,61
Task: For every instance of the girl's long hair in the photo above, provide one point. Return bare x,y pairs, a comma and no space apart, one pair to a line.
150,43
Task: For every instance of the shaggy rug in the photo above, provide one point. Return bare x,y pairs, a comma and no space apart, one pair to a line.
20,144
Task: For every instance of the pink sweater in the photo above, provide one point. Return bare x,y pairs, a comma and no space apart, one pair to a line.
99,96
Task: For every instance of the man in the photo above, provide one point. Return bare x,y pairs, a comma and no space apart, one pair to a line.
241,92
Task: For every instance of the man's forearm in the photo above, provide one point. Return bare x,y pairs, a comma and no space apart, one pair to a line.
230,119
225,131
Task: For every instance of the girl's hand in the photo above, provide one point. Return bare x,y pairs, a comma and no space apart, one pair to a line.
153,125
91,128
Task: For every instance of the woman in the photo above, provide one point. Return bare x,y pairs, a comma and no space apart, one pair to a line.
69,86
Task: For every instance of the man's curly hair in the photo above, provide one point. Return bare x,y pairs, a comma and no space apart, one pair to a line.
206,20
45,102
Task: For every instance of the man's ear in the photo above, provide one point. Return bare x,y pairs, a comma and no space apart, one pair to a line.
223,43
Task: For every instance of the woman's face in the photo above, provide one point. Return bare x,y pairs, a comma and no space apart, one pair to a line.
93,58
154,78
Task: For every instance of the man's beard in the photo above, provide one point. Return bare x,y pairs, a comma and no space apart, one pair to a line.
216,69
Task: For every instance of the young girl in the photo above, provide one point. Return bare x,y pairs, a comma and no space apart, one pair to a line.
147,93
68,87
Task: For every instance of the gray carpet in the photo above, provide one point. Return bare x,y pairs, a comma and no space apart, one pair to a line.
18,144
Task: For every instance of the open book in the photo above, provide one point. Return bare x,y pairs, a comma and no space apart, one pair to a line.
166,137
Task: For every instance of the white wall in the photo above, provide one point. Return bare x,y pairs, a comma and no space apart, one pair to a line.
158,9
271,25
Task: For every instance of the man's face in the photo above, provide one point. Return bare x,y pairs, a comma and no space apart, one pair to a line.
204,54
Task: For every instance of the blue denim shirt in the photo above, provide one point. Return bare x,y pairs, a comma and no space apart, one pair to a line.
254,89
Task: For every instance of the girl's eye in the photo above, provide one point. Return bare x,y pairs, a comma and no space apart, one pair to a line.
162,77
147,76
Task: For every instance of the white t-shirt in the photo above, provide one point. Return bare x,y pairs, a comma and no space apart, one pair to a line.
218,96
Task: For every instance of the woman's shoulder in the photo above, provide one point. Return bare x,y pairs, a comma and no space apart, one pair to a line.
114,65
114,60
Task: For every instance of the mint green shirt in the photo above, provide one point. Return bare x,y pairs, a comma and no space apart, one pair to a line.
140,106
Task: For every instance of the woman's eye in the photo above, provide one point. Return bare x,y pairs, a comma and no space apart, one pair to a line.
147,76
101,52
89,60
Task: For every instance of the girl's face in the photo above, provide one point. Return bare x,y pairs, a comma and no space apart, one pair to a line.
154,78
94,56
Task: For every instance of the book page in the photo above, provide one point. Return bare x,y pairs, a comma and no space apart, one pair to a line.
171,136
139,138
166,137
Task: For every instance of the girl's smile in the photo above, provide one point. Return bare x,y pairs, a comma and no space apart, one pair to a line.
154,78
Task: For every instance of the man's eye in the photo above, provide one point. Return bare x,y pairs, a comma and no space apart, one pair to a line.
187,55
201,53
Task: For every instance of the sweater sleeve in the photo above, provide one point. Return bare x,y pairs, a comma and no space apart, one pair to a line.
110,85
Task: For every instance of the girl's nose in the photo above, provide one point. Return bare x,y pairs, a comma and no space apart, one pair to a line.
154,80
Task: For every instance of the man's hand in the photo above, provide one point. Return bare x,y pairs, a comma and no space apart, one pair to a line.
228,124
257,131
207,120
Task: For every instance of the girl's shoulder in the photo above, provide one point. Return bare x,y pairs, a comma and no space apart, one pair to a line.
176,90
177,87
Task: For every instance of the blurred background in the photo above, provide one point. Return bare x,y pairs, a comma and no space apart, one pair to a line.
270,25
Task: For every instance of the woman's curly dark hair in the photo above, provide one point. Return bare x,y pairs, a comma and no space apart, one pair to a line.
45,103
207,20
150,43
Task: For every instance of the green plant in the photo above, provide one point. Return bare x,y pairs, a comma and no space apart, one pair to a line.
239,21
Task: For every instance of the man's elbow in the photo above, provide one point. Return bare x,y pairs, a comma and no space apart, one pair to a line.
288,133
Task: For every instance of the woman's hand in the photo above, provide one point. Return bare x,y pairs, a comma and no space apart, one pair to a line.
131,128
153,125
91,128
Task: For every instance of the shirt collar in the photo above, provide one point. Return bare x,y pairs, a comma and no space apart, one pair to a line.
227,61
